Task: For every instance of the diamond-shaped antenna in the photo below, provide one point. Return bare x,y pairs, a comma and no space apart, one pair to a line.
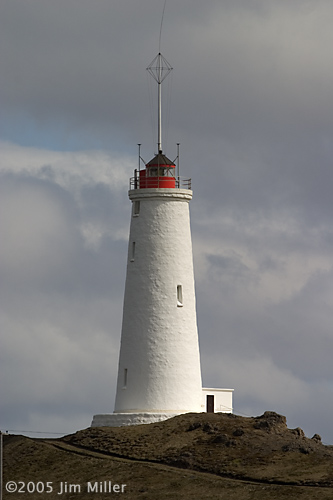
159,69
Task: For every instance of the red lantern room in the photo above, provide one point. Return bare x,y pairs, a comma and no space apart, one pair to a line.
160,172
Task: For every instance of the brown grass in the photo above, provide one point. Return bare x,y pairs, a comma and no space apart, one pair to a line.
193,456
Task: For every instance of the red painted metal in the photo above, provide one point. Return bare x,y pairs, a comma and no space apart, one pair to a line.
146,182
159,173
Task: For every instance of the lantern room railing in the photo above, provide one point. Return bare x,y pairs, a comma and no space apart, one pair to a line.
159,182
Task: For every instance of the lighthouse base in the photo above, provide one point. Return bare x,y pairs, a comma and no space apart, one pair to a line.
123,419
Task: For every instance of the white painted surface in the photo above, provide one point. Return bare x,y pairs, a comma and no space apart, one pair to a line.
124,419
159,339
222,399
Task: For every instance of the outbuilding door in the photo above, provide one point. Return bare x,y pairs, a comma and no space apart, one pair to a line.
210,403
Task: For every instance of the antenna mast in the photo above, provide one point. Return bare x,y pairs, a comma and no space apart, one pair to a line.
159,69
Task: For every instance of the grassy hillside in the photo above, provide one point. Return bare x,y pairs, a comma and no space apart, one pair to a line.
193,456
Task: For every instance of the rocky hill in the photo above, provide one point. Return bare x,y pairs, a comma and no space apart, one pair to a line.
192,456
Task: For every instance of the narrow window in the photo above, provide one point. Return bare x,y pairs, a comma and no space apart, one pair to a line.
179,295
133,251
136,208
125,378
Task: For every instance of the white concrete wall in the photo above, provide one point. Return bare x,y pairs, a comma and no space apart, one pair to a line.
222,399
159,341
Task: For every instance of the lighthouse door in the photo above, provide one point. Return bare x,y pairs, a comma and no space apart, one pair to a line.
210,404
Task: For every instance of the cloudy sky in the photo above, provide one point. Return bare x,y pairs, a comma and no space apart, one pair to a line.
250,102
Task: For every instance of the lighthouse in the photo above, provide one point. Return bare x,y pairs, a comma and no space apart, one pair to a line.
159,373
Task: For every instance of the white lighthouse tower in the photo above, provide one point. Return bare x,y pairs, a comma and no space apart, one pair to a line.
159,374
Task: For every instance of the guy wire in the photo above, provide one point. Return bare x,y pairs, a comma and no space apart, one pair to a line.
159,43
